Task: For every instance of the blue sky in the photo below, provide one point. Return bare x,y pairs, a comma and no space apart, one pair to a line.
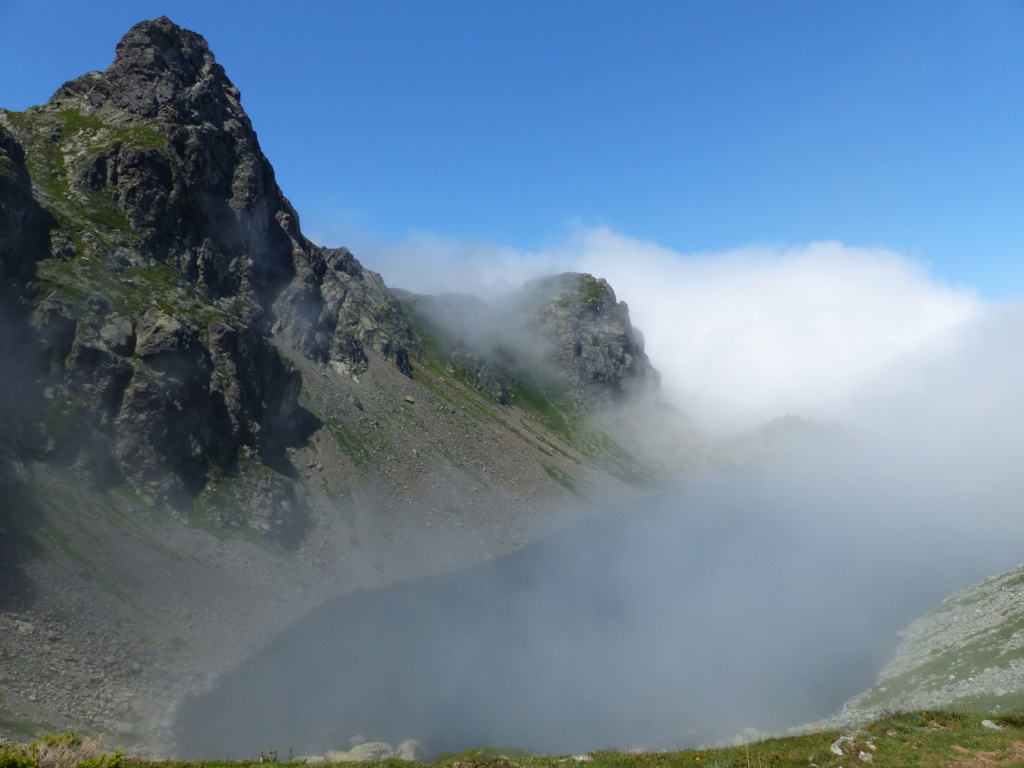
699,125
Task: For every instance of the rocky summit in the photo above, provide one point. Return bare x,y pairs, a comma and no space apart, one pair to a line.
211,424
171,263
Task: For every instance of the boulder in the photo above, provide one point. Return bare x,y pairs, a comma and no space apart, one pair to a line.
119,335
370,752
367,752
410,749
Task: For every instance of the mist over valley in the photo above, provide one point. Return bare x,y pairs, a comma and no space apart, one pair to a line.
602,494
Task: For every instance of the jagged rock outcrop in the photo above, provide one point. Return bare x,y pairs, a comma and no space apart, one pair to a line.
169,262
592,340
159,269
565,334
491,374
208,203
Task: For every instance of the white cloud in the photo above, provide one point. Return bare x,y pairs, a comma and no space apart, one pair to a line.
756,333
741,336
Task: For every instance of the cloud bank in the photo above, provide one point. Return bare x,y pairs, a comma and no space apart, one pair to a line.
742,336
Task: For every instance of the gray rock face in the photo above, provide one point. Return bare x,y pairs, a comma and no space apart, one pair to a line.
208,202
21,219
335,307
119,336
154,268
569,330
184,260
487,375
592,340
22,240
161,71
370,752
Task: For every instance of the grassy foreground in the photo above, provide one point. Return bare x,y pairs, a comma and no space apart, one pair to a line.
930,739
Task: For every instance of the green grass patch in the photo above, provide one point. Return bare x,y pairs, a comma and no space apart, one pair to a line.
56,142
67,750
19,726
931,739
133,290
549,405
351,440
482,755
545,402
1010,702
562,479
1014,581
581,289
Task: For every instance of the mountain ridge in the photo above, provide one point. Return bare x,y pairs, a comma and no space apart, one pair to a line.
219,424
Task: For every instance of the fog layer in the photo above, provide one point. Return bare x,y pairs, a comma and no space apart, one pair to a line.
745,602
759,596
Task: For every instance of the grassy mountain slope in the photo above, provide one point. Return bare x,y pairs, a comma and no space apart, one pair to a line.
968,653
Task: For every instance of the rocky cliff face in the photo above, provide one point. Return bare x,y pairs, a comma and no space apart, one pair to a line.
566,337
194,185
170,263
209,205
170,260
591,338
22,239
21,220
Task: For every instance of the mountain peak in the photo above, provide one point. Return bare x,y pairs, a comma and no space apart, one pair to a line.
160,71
